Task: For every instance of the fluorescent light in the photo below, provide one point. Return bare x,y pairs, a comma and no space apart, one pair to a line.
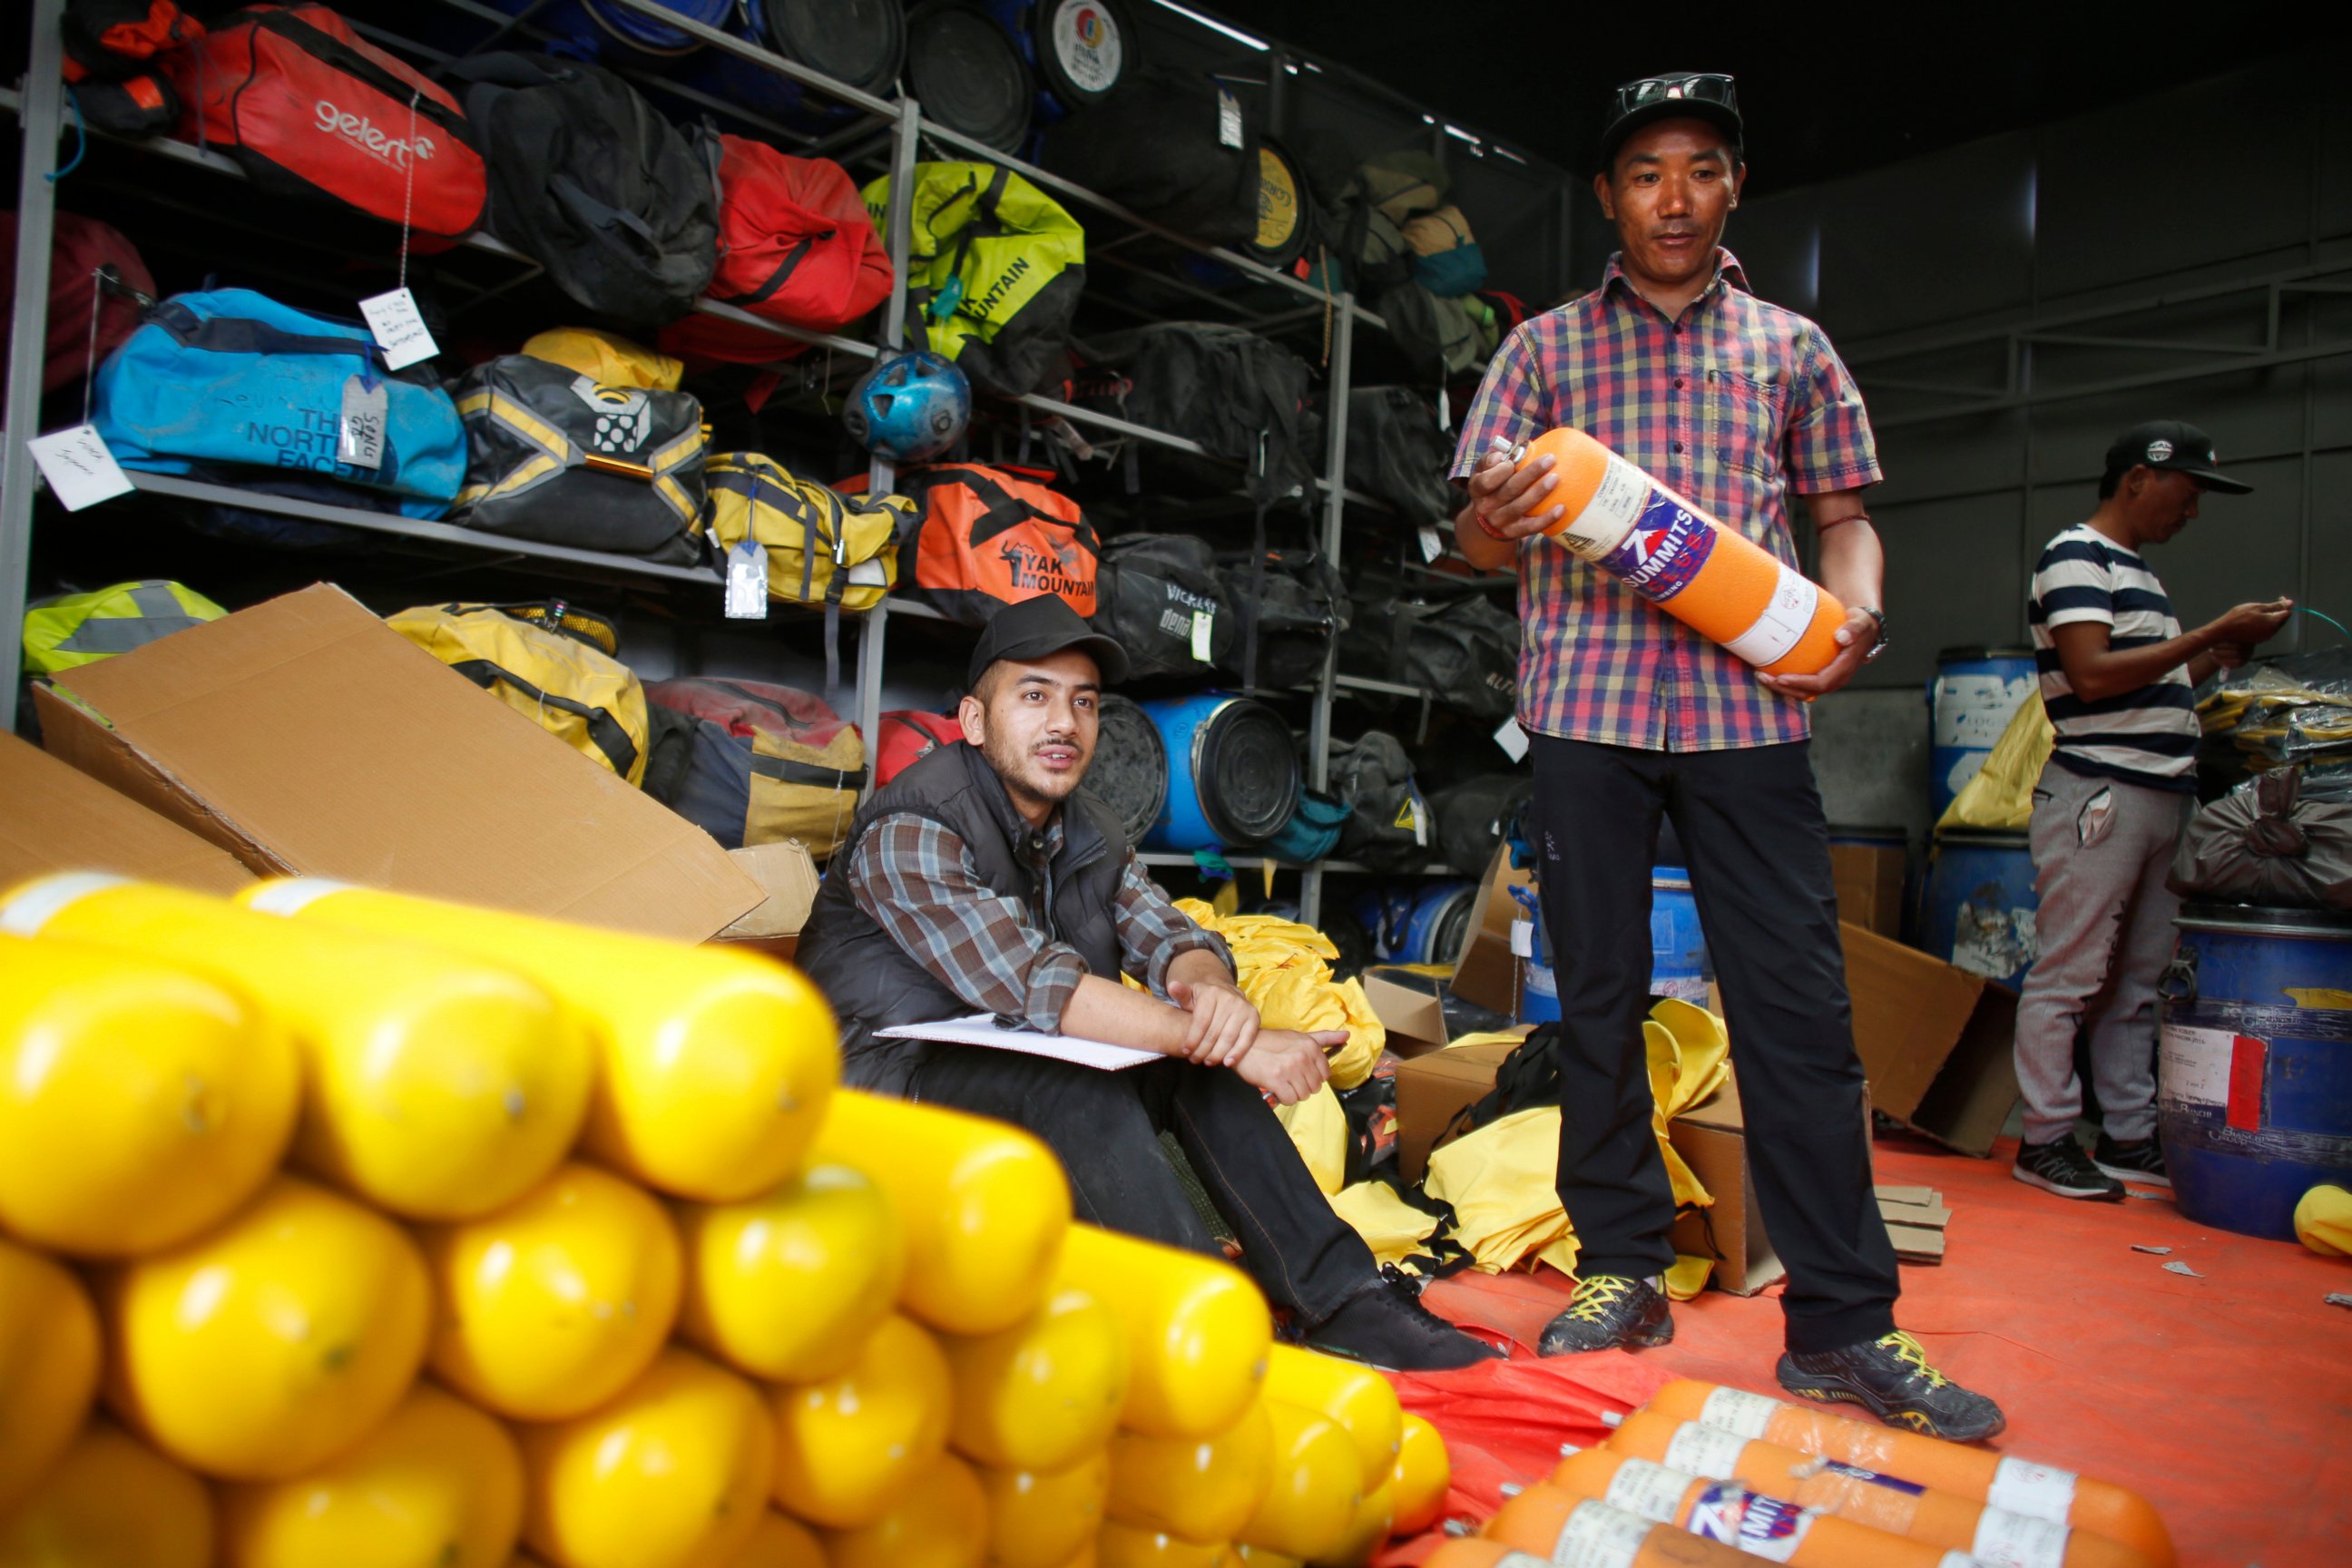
1460,135
1235,34
1505,153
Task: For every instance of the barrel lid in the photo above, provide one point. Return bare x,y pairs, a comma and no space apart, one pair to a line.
1972,651
1245,770
2263,920
967,76
648,36
1085,49
1129,774
1983,838
861,43
1875,833
1282,202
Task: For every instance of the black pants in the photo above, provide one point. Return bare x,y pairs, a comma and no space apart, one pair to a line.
1751,827
1105,1127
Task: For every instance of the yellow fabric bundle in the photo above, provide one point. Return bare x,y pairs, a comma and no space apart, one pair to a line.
2001,796
1319,1128
1390,1226
1285,971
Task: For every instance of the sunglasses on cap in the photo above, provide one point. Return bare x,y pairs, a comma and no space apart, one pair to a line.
1706,86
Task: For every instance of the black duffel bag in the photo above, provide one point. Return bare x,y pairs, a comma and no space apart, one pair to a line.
1475,816
1396,451
1242,397
1465,652
1161,596
1178,147
1388,826
1290,605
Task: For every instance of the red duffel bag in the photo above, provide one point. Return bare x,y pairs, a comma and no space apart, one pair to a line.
794,246
907,737
308,108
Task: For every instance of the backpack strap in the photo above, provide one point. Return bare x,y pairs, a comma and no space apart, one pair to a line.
604,731
1529,1075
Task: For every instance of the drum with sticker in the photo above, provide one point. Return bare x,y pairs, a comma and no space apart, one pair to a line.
1232,772
1980,904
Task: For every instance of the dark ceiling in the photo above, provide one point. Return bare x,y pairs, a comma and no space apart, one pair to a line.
1827,88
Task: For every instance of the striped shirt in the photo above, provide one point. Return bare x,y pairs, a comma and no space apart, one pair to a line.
915,878
2148,736
1735,405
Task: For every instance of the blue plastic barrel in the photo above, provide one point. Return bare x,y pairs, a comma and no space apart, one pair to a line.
1080,49
1539,994
1232,772
1975,693
2254,1070
594,29
1980,904
858,43
1419,922
1679,965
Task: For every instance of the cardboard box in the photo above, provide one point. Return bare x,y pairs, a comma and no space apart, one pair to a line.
1934,1041
1433,1089
305,736
1412,1015
1488,972
1712,1139
787,874
60,820
1869,879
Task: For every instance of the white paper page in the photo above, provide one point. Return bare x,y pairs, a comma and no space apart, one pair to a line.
981,1029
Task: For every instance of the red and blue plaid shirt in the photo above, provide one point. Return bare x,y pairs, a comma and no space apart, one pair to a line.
1735,405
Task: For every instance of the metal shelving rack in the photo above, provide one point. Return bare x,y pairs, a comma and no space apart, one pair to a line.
39,105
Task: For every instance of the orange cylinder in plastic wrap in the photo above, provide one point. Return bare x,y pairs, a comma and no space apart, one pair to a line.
1898,1506
1712,578
1755,1522
2020,1486
1598,1536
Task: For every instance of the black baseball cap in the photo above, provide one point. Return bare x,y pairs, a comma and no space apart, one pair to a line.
1711,96
2177,445
1036,627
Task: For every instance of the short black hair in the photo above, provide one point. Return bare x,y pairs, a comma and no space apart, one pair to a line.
2110,482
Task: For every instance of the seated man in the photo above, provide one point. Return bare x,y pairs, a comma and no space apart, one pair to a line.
980,880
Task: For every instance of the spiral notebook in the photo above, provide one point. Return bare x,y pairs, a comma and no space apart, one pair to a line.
982,1029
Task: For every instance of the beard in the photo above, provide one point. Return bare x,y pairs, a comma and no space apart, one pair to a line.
1014,764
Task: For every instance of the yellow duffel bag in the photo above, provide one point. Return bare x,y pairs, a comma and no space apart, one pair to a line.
551,661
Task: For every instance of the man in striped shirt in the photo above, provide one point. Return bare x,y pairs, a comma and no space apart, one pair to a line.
2118,676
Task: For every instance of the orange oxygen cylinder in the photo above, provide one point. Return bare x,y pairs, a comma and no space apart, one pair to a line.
2018,1486
1867,1497
1711,578
1595,1535
1755,1522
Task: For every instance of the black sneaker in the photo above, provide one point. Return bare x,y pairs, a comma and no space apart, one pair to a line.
1890,1377
2138,1161
1609,1311
2062,1168
1388,1326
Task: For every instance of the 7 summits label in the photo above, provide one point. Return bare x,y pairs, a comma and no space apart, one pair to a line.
1665,550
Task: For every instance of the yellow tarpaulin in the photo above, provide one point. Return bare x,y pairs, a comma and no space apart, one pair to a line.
1285,971
2002,795
1319,1128
1390,1226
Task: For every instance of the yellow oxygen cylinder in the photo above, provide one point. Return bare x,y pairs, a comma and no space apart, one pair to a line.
1042,1519
787,1285
847,1446
438,1483
111,1501
1423,1471
270,1343
555,1303
1120,1545
1043,1394
1368,1531
1362,1402
985,1206
1711,578
139,1103
715,1067
779,1540
938,1520
1197,1330
1309,1508
433,1087
674,1470
49,1366
1202,1489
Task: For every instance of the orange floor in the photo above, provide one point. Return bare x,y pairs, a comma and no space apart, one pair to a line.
2226,1398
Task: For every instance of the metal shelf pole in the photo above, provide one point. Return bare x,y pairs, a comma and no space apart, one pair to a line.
1335,507
40,119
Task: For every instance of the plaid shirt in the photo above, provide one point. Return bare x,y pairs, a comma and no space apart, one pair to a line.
916,879
1734,407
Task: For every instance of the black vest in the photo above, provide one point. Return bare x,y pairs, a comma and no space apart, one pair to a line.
874,983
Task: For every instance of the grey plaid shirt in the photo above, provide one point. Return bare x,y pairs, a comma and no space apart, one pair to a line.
916,879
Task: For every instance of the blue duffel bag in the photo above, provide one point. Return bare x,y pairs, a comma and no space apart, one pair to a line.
227,376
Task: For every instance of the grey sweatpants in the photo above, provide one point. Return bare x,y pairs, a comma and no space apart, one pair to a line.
2105,928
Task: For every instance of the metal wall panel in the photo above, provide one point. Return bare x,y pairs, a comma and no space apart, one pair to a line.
1935,239
1955,575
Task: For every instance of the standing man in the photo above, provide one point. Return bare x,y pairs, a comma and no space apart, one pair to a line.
1736,403
2118,674
982,881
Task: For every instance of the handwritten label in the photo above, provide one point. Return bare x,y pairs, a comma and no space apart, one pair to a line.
1204,624
359,432
399,328
747,581
80,470
1229,118
1512,739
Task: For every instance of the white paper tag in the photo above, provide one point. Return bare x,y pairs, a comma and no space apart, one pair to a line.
1651,1491
1204,625
1598,1536
1523,939
2038,1491
747,581
1708,1451
1445,406
399,329
870,573
1431,546
2006,1540
1229,118
359,433
1512,739
80,470
1736,1410
2192,1065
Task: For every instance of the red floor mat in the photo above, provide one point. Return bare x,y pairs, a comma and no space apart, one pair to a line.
2226,1398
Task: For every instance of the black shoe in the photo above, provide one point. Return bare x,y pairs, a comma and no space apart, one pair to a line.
2062,1168
1890,1377
1388,1326
2138,1161
1609,1311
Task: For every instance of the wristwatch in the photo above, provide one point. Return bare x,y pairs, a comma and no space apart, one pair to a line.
1876,613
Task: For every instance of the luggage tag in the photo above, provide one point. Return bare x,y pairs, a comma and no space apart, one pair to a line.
1431,546
399,328
1204,623
359,433
1512,739
1229,118
747,581
80,470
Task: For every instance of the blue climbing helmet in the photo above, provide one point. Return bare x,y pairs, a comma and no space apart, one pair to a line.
909,407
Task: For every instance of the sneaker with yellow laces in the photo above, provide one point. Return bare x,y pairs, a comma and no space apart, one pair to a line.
1609,1311
1889,1376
